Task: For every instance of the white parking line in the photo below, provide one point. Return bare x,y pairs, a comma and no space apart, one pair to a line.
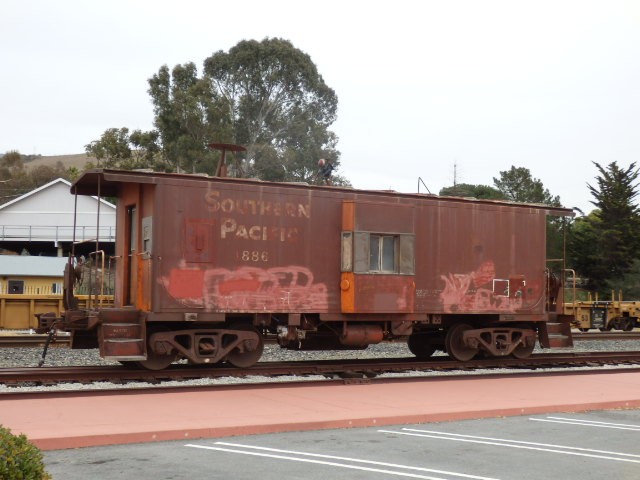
581,452
588,423
262,452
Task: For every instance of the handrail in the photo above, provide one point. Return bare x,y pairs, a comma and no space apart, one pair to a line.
573,297
425,185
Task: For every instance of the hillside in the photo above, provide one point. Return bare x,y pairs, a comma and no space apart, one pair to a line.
78,160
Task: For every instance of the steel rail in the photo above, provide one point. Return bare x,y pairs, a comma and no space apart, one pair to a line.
590,336
354,369
37,340
30,341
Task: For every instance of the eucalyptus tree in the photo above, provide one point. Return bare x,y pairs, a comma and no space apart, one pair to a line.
267,96
279,107
188,116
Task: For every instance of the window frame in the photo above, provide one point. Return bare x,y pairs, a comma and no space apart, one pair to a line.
357,253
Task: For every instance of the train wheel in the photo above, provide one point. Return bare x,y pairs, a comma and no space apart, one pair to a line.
629,325
456,347
584,330
249,352
155,361
523,351
421,345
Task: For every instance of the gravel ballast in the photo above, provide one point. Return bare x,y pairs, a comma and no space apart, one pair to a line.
63,356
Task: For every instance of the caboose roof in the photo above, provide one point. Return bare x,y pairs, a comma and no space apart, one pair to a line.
106,182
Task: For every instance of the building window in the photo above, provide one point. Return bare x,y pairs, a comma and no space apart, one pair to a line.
15,286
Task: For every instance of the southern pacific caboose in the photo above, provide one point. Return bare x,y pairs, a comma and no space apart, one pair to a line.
207,266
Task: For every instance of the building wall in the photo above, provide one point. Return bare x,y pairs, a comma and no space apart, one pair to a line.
43,285
18,312
47,215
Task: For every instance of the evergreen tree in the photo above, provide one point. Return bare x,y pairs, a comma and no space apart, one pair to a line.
605,245
518,185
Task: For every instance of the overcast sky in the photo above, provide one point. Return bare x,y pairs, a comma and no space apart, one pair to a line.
422,86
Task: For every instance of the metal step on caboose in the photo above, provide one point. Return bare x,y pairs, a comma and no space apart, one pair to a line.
556,333
122,334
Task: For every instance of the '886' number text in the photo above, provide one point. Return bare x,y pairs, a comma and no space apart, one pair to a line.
254,256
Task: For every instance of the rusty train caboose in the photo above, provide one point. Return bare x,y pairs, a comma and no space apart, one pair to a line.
207,266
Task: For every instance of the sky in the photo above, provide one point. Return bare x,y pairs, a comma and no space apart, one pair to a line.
438,91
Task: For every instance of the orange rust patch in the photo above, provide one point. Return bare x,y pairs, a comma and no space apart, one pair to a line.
186,283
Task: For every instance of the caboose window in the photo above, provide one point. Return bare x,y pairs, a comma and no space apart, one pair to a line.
347,251
382,253
378,253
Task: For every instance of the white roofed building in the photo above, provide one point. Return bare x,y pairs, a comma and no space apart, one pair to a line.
41,221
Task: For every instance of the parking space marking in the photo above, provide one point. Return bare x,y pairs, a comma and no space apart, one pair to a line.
588,423
581,452
280,455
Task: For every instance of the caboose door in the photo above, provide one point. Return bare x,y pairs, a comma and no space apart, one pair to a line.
135,222
378,259
131,243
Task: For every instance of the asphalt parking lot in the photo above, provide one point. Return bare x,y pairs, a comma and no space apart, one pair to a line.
580,446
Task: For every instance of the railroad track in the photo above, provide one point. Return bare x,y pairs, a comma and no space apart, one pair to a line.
351,370
595,335
37,340
32,340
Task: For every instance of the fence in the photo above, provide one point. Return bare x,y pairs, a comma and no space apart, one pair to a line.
50,233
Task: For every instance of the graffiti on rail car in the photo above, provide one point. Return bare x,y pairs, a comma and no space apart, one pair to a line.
475,292
247,288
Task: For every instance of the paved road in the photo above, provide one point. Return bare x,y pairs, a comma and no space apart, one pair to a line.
580,446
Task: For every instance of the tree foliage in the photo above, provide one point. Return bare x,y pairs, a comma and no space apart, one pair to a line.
116,148
515,184
279,107
267,96
16,178
518,185
473,191
19,458
188,116
604,245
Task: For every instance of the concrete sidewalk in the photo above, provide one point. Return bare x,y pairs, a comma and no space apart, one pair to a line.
93,419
